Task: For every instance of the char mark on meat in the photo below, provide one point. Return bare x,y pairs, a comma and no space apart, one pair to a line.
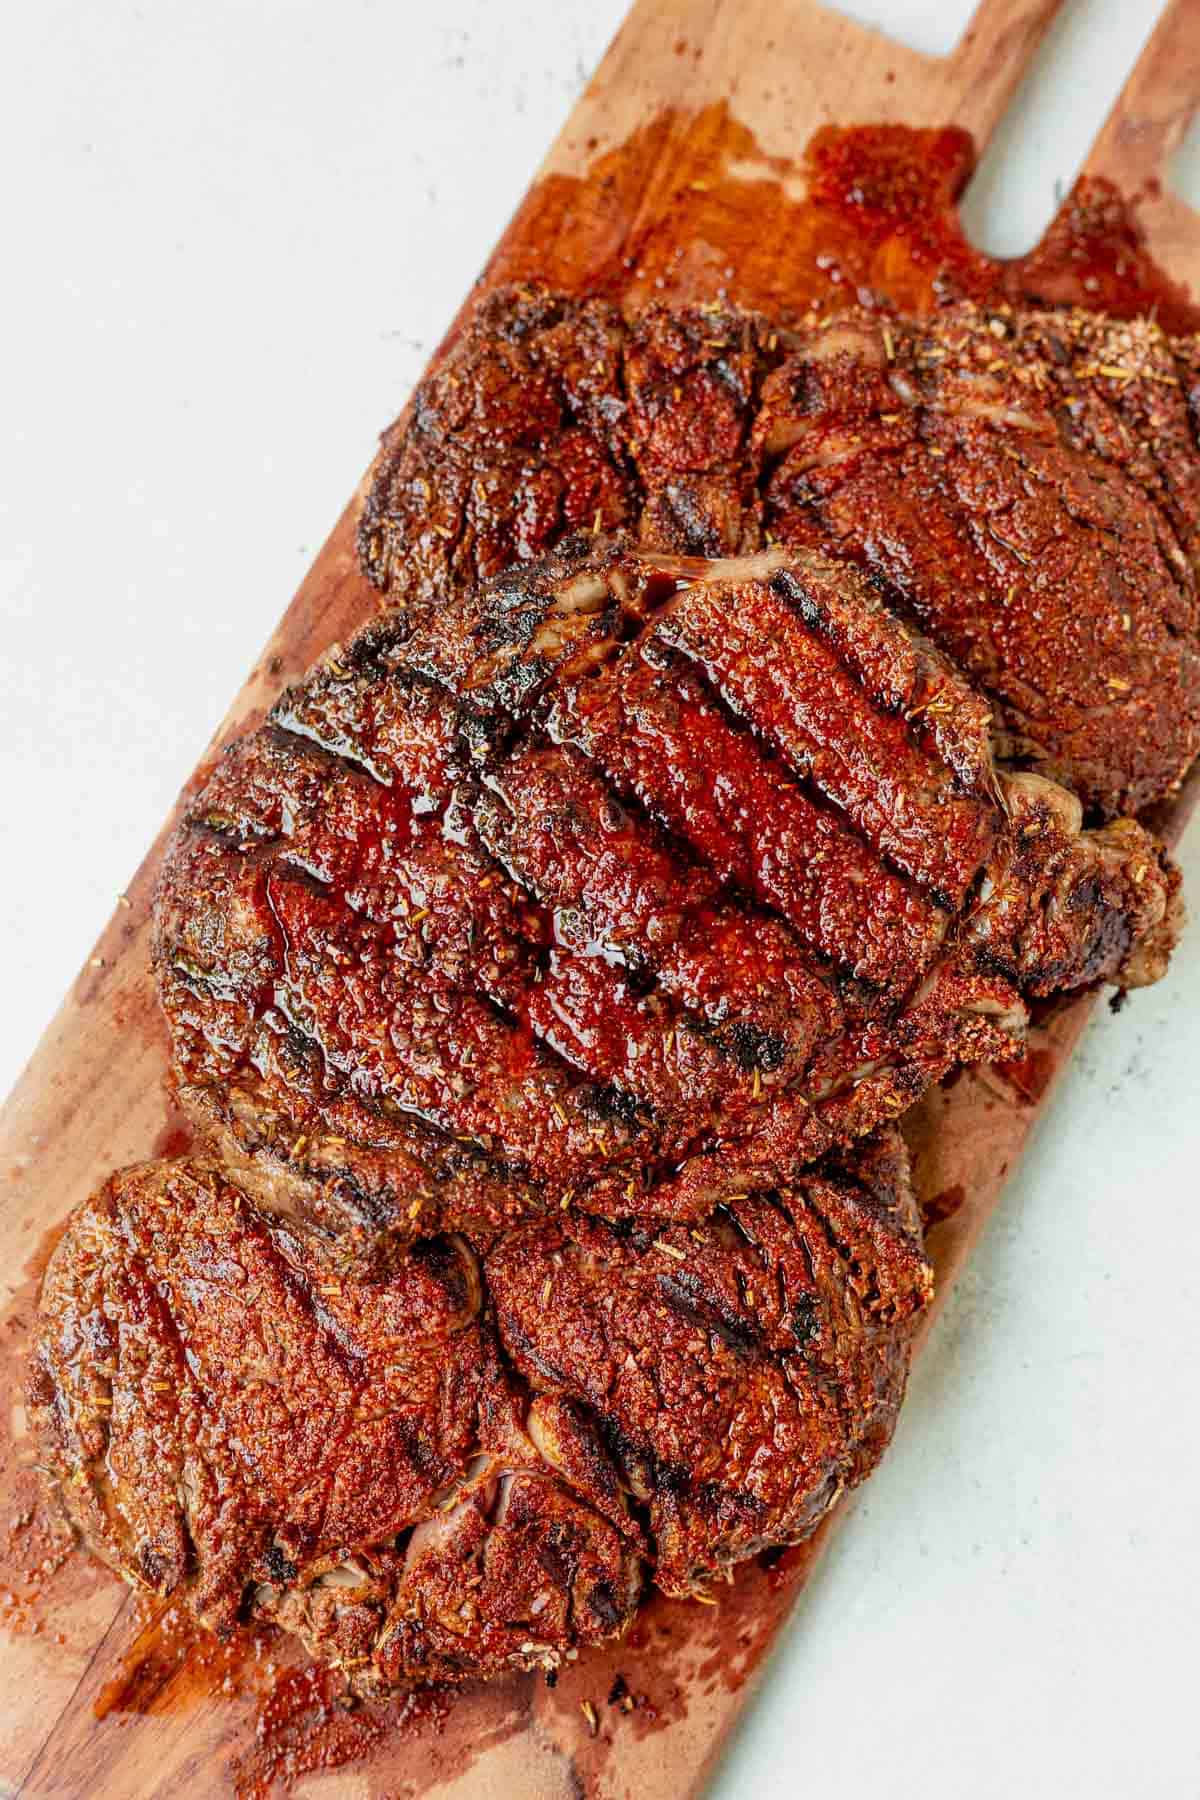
587,892
742,1372
1024,485
231,1423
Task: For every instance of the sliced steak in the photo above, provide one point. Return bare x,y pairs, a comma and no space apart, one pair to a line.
627,880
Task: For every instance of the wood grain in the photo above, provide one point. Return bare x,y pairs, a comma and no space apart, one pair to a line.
735,88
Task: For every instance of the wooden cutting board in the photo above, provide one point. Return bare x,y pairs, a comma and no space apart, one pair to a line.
681,170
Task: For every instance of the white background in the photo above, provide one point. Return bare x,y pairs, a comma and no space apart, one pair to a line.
231,235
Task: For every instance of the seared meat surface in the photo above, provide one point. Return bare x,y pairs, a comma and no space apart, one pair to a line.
547,971
521,443
1026,489
231,1423
1021,485
627,881
741,1372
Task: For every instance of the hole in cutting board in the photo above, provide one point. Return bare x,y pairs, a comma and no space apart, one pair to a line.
931,26
1183,170
1056,113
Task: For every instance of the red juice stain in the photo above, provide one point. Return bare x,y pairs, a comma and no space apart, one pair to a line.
1030,1075
943,1205
305,1725
173,1140
691,209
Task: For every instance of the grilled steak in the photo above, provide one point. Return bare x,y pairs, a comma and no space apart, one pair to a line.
1024,486
520,443
541,968
629,881
231,1423
1027,488
741,1373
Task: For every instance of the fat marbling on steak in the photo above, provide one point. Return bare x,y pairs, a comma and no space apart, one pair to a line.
626,882
232,1424
1023,485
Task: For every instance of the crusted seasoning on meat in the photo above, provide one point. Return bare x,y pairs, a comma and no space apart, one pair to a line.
229,1424
516,439
741,1373
1025,485
550,415
692,378
629,880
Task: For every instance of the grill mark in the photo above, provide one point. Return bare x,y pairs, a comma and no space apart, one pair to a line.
792,690
604,1260
522,989
439,1161
906,597
748,1046
650,907
822,1198
924,897
648,1141
765,831
437,1158
286,726
439,1124
652,598
906,677
295,737
462,1065
552,625
421,757
745,1047
687,1295
700,1080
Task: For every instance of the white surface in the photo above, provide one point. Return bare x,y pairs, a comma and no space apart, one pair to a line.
232,234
